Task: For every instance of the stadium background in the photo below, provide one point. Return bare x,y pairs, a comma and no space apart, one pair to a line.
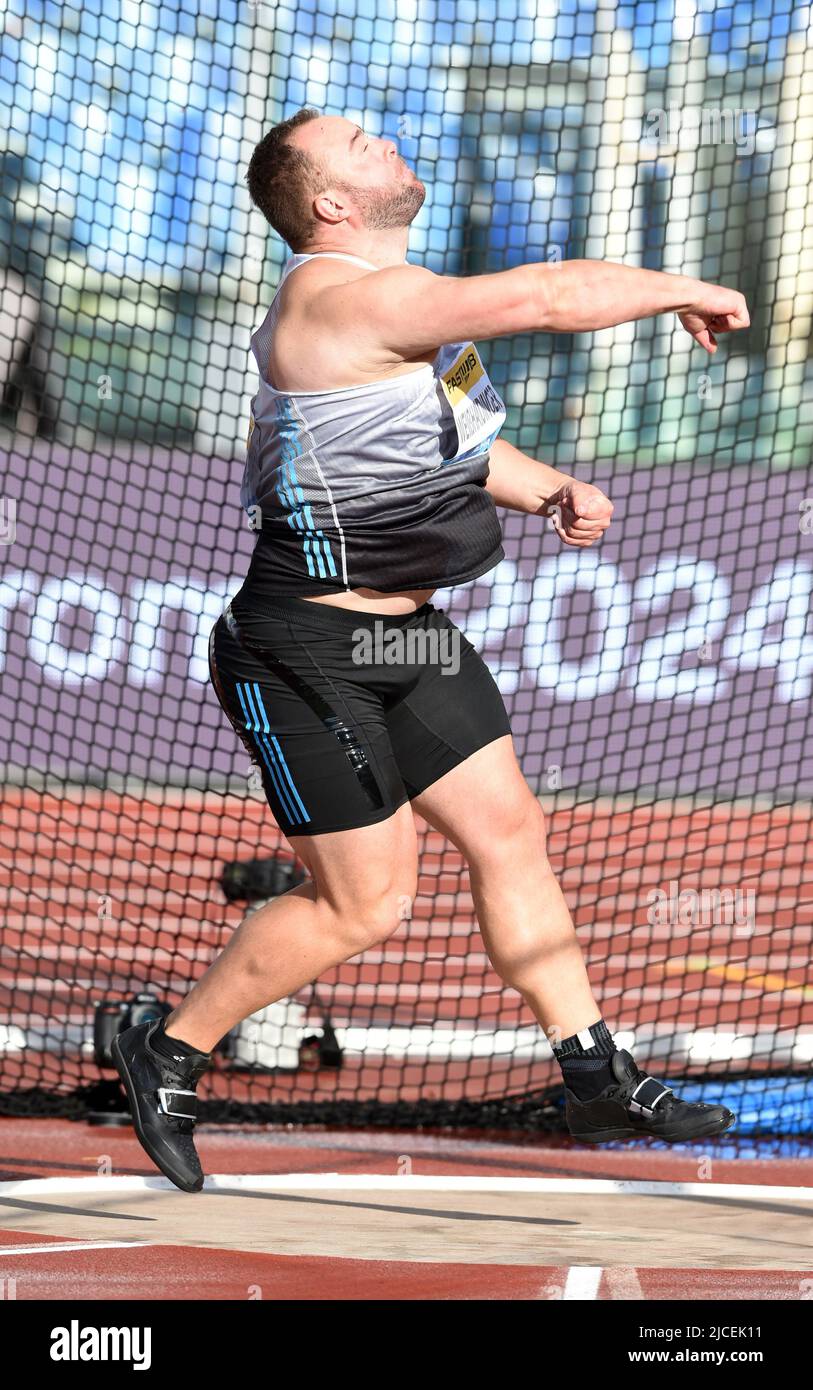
659,688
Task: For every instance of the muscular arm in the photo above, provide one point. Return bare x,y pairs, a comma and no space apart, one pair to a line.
580,296
580,513
403,312
517,481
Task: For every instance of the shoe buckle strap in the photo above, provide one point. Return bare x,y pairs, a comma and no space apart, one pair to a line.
170,1106
647,1095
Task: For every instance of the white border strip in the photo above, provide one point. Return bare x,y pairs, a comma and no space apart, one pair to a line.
83,1245
414,1182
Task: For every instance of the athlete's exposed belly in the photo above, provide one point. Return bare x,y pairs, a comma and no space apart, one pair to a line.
371,601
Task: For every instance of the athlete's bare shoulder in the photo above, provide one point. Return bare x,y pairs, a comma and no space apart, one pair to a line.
319,343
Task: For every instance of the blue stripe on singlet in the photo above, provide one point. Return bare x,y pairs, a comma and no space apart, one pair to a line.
289,490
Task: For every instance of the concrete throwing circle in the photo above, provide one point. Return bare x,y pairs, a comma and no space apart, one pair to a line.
467,1220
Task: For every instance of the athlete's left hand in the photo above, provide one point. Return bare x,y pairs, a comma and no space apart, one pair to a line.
579,512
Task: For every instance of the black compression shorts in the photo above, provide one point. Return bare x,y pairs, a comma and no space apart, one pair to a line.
348,715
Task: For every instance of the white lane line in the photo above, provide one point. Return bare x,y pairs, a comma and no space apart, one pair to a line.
391,1182
582,1282
55,1249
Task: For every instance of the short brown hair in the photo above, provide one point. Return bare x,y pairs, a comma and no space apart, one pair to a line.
283,180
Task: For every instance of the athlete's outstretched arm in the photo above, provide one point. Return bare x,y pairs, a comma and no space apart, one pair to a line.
407,311
580,296
580,512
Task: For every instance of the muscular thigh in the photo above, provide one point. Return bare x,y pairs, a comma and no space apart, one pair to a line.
484,806
373,868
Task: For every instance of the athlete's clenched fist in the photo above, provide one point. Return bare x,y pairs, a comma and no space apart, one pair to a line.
716,310
579,512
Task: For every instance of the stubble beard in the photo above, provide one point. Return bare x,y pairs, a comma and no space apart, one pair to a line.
383,208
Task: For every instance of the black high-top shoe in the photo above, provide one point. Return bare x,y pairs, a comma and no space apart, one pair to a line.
163,1103
636,1105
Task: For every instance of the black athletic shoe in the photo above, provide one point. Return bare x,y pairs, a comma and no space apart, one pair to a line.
163,1103
637,1105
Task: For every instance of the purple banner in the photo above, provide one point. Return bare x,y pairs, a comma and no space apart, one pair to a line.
677,655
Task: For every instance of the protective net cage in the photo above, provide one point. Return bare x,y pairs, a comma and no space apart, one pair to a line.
658,684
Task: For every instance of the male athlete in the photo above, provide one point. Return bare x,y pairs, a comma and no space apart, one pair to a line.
374,468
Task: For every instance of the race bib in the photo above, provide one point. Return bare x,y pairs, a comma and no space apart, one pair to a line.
479,413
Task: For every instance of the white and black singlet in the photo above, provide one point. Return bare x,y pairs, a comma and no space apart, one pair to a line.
378,486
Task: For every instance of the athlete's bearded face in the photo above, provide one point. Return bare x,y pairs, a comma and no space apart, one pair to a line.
368,171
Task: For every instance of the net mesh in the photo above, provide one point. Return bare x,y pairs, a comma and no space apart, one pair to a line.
659,687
